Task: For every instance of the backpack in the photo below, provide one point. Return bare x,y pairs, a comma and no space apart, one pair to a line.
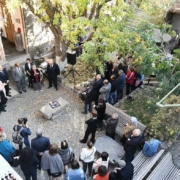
16,136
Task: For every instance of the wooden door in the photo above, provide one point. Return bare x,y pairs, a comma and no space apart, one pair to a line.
9,26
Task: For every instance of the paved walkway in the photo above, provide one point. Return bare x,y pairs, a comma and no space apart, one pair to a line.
69,126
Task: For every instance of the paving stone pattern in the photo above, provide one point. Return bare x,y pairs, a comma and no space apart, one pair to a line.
68,126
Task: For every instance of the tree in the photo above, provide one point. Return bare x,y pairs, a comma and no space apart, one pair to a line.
69,19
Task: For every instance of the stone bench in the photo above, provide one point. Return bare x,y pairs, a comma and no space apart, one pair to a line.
49,113
143,164
165,170
123,119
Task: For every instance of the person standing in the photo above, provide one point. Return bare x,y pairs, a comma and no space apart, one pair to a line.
75,172
28,67
53,71
4,78
39,145
131,145
19,76
24,132
3,99
129,80
128,128
96,87
121,83
101,109
87,157
105,90
91,128
88,96
28,163
35,77
111,125
52,163
114,85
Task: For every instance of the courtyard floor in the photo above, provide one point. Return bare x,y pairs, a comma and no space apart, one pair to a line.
68,126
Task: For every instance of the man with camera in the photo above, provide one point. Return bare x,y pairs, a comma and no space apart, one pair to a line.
21,133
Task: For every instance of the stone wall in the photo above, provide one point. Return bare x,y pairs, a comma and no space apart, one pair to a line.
39,38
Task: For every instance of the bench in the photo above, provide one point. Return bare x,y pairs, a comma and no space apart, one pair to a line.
142,164
165,170
123,119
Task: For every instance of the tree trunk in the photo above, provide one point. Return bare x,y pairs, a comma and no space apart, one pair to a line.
57,49
64,49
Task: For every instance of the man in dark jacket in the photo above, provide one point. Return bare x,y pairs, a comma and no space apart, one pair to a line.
91,128
131,144
111,125
40,144
88,95
5,79
112,94
28,68
53,71
96,87
125,171
121,83
24,133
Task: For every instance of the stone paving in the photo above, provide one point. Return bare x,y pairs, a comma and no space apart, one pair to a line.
68,126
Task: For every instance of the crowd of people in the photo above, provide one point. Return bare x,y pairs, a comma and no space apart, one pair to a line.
57,160
60,159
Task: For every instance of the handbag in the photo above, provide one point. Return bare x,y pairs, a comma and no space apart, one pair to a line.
85,157
72,156
56,174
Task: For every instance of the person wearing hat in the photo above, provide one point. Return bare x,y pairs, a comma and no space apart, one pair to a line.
125,171
128,128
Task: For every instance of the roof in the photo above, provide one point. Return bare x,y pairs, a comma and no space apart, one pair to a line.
175,8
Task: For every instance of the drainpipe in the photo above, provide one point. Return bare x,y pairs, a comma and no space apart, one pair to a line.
25,32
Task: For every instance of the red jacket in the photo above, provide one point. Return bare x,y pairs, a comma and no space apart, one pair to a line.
130,77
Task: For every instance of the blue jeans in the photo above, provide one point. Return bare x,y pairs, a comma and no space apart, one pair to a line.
112,96
86,106
119,94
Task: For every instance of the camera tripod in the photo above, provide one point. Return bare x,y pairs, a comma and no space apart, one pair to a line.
73,71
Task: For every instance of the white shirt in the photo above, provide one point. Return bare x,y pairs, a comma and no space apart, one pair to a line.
87,155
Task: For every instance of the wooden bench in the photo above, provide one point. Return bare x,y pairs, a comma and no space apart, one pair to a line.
142,164
123,119
165,170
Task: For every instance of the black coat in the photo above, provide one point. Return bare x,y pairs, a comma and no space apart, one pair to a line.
4,76
27,68
29,167
54,71
91,124
88,96
127,172
101,109
96,87
40,144
114,85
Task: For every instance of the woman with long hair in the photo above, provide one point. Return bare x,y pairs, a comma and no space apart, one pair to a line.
51,162
87,156
28,163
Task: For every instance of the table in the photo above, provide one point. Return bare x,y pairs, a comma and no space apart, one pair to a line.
105,143
5,168
50,113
